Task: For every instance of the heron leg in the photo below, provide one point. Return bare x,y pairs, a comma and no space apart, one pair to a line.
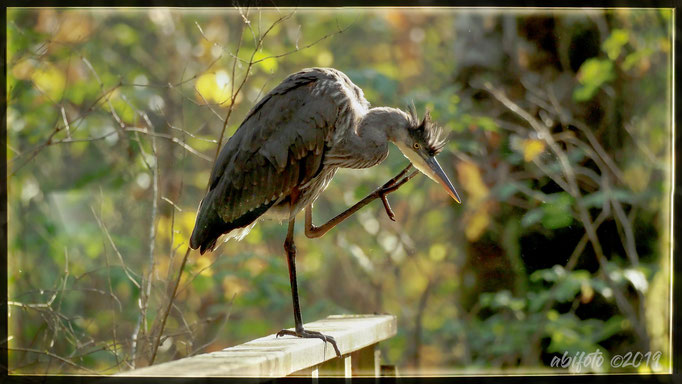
392,185
290,248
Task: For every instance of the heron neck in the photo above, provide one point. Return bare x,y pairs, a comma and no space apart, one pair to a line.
383,123
367,144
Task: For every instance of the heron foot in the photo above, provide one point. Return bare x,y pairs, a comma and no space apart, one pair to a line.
311,335
391,186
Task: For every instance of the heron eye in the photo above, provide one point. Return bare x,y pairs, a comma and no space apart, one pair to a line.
417,146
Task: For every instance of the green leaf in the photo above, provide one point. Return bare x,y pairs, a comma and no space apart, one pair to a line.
593,73
537,300
636,57
614,44
610,327
569,286
550,274
569,334
584,92
557,214
486,123
125,34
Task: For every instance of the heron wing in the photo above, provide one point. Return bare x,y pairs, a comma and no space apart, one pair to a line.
279,146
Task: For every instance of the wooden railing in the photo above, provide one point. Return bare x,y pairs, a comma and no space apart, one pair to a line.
357,337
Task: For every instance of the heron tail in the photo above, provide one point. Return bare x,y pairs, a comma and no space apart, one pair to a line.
209,226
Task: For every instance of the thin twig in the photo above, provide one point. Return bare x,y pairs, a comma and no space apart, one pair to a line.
57,128
152,229
190,134
57,357
583,214
280,55
168,308
127,271
236,92
66,122
217,333
208,105
629,241
111,289
643,148
92,69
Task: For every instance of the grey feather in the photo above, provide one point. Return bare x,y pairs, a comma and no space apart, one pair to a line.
295,138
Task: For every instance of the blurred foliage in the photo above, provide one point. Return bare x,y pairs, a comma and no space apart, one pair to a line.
560,134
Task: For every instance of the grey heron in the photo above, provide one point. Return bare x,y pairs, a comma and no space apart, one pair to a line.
288,148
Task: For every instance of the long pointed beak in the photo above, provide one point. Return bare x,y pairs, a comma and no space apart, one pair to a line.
440,176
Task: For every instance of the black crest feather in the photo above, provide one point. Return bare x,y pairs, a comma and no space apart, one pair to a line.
426,131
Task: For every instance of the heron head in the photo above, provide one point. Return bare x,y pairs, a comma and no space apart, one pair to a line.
423,141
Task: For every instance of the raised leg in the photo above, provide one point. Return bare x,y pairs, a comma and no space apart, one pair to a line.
379,193
290,248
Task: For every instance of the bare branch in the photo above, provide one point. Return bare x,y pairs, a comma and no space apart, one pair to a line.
646,151
168,308
34,152
583,214
148,278
127,271
66,122
56,357
217,333
92,69
277,56
164,198
207,104
629,241
185,132
111,292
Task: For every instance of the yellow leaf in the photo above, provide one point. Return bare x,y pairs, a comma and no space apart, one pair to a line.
214,87
233,285
50,80
471,180
532,148
437,252
476,224
182,227
325,59
586,293
184,223
477,217
268,65
203,264
256,265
